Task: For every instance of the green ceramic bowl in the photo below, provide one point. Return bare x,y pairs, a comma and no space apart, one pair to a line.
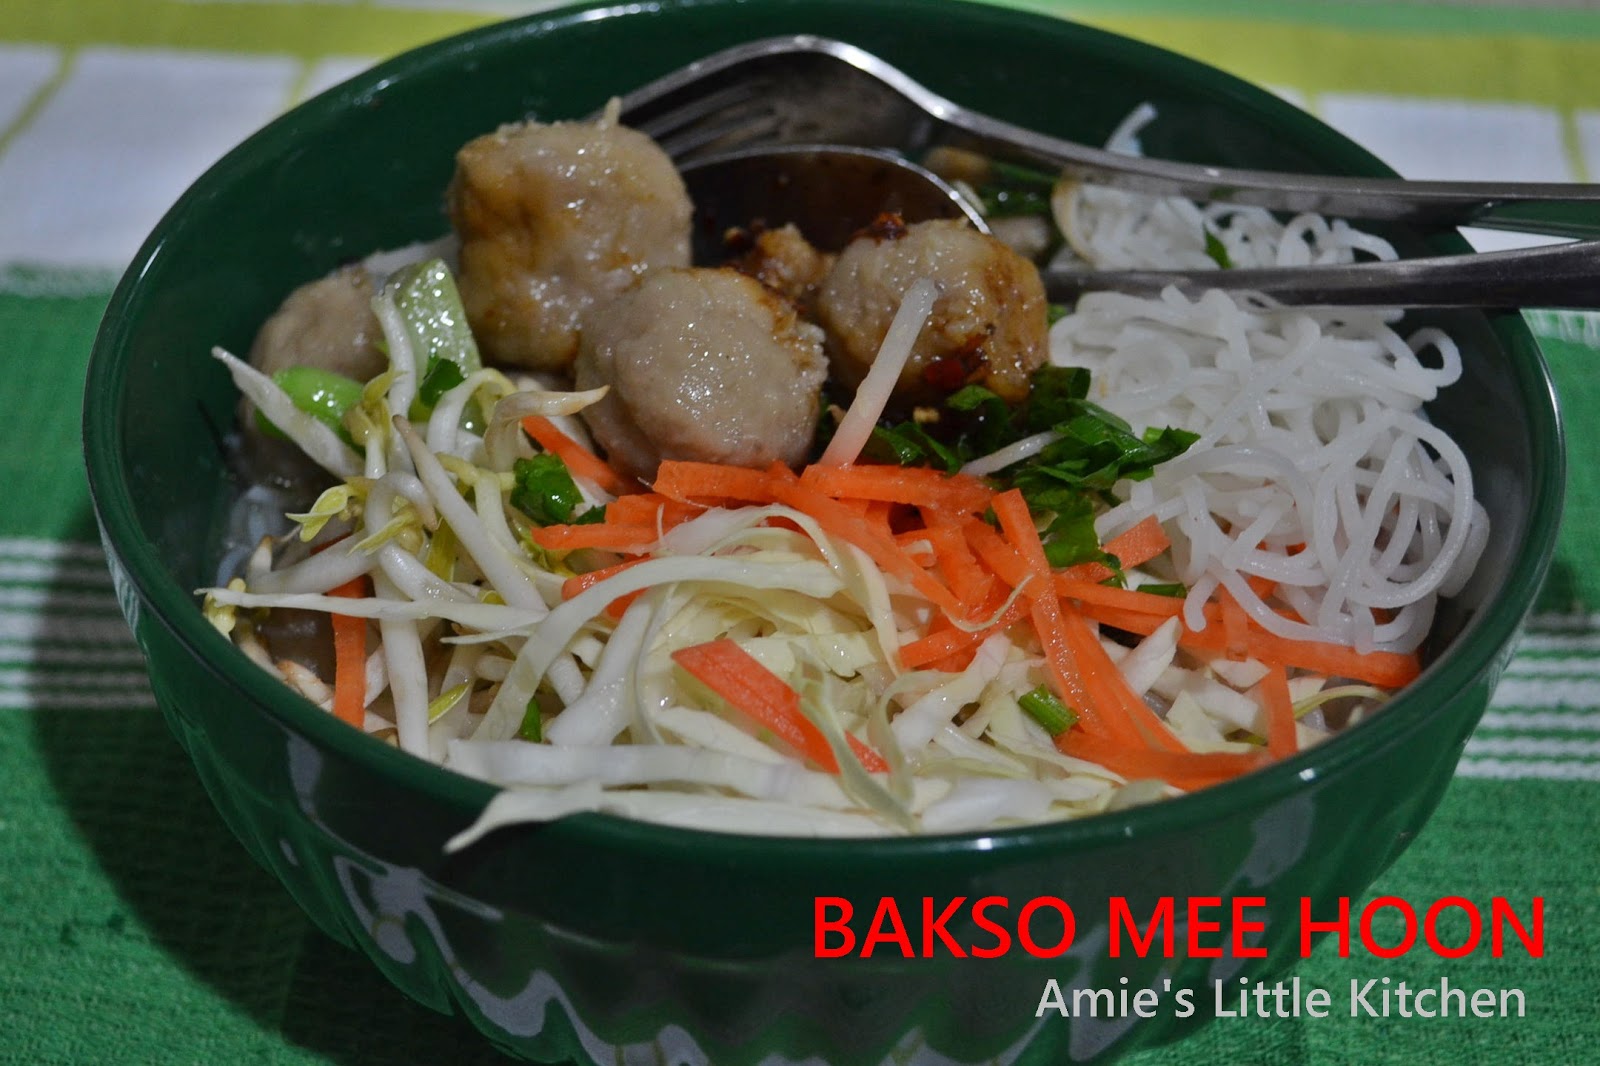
596,936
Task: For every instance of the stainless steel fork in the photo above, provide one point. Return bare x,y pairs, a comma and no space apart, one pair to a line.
806,89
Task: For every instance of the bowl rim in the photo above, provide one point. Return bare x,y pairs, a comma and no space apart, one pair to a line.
143,582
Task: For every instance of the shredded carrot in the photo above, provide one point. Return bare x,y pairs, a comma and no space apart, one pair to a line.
1385,669
866,535
1282,737
350,657
1185,770
753,690
615,537
917,545
580,460
1105,685
1261,586
689,482
880,513
945,641
649,508
1132,547
1045,610
1091,593
572,586
999,556
1235,627
922,486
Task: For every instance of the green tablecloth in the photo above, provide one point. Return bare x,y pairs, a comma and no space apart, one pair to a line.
132,927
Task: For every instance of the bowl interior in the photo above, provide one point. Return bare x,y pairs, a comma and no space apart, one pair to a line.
363,167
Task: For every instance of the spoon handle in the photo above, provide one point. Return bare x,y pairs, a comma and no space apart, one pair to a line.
1554,276
1559,209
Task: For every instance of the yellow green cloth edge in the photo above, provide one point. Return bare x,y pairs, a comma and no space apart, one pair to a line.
1311,47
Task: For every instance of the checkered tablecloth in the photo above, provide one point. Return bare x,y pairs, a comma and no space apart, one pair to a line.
134,930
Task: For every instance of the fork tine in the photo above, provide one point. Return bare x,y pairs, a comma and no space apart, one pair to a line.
664,123
724,131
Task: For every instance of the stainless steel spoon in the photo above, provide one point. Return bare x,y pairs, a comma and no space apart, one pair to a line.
831,192
806,89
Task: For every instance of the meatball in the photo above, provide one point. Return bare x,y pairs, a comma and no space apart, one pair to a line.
703,364
785,262
554,220
988,324
327,324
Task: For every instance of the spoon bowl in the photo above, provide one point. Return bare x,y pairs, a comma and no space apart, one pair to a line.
828,192
832,192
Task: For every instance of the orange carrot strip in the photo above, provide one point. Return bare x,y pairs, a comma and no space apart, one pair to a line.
647,508
1109,689
1185,770
1385,669
967,577
839,521
957,493
937,646
1092,593
1045,610
1261,586
350,657
686,482
619,606
870,760
1133,546
572,586
580,460
1235,627
917,545
594,535
753,690
996,554
1282,738
880,513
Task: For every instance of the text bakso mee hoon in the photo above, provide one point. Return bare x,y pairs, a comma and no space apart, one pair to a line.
836,541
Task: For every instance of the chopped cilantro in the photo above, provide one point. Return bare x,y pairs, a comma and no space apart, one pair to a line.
1067,481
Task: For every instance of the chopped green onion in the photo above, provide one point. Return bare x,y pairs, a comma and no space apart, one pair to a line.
320,393
545,491
1044,707
1175,589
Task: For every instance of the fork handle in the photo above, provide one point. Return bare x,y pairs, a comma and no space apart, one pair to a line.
1554,276
1556,209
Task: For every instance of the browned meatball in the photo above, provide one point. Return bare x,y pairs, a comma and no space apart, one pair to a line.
988,324
556,219
706,365
785,262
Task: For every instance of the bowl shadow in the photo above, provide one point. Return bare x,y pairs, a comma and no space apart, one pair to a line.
134,798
